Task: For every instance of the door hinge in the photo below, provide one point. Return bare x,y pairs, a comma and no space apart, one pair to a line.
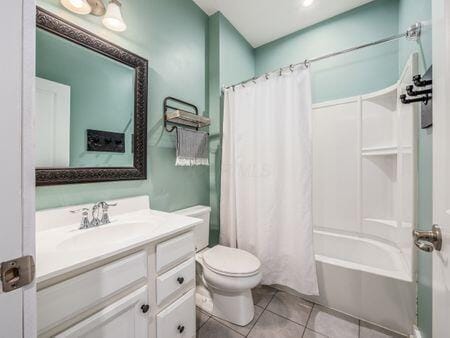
17,273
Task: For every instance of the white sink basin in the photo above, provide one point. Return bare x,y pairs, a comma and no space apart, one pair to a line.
61,247
111,234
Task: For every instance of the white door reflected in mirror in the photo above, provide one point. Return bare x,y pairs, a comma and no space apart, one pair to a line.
52,124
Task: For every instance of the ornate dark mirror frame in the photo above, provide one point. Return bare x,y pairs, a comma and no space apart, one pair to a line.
51,176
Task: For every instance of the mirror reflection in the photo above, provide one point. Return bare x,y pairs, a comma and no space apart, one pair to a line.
84,106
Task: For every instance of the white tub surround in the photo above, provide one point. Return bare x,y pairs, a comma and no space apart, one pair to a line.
364,199
132,278
366,279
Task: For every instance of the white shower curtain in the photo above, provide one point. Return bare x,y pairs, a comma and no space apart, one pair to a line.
266,181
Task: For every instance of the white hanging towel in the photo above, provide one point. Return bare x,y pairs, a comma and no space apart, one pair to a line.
192,147
266,182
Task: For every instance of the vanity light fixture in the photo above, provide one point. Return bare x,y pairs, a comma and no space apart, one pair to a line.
307,3
77,6
113,17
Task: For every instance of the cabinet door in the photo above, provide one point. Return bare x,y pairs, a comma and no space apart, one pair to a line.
178,319
123,319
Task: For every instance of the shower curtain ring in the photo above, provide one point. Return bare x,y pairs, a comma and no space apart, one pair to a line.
267,76
291,68
307,63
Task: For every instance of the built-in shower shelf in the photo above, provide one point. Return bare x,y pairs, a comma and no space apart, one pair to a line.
386,97
389,222
380,151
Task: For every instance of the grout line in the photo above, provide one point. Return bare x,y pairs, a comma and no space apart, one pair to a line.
271,299
207,314
285,318
227,327
198,329
307,320
257,320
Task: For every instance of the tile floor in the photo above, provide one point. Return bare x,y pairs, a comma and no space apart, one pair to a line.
280,315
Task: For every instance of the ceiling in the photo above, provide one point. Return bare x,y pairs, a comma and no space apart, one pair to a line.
262,21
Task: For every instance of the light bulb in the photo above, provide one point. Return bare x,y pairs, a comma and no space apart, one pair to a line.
307,3
113,17
77,6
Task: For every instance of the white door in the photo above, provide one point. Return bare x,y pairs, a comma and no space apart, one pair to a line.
17,29
441,166
52,124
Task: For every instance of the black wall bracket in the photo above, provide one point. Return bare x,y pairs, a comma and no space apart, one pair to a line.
421,91
423,95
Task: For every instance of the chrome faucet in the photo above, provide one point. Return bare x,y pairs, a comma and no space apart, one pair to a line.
105,206
96,220
84,224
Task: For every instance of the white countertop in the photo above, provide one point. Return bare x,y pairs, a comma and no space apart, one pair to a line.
63,249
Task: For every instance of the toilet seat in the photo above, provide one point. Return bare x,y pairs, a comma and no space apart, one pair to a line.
231,262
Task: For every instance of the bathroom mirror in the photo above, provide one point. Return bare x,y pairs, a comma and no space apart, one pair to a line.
91,106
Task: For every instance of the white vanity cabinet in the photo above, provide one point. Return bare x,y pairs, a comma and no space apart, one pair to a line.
124,318
148,293
175,287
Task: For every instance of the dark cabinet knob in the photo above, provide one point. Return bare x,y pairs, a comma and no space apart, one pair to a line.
145,308
180,280
180,328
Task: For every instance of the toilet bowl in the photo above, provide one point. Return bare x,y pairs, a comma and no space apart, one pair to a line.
229,275
225,276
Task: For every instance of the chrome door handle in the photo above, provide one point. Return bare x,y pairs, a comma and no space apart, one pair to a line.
428,240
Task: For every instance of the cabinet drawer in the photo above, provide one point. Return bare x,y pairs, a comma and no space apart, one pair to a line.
64,300
123,319
178,320
174,250
175,280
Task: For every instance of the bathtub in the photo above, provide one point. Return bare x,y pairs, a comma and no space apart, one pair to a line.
365,278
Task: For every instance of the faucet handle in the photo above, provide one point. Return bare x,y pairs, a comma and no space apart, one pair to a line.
105,216
105,205
84,224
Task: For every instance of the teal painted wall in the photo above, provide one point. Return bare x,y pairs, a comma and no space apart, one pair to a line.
172,35
101,96
231,60
347,75
411,11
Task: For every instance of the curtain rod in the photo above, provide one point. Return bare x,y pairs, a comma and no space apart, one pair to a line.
413,33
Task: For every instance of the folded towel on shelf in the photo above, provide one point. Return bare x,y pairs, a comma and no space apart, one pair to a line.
192,147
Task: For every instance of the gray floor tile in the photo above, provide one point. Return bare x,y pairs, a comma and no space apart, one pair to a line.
244,330
201,318
368,330
291,307
332,323
213,329
270,325
311,334
262,295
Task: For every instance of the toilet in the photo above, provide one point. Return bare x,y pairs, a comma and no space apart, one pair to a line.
225,276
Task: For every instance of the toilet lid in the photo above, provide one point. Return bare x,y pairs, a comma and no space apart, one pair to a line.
230,261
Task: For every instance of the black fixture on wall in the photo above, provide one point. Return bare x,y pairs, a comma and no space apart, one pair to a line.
99,140
421,91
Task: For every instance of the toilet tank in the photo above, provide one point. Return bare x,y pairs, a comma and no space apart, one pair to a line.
201,231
